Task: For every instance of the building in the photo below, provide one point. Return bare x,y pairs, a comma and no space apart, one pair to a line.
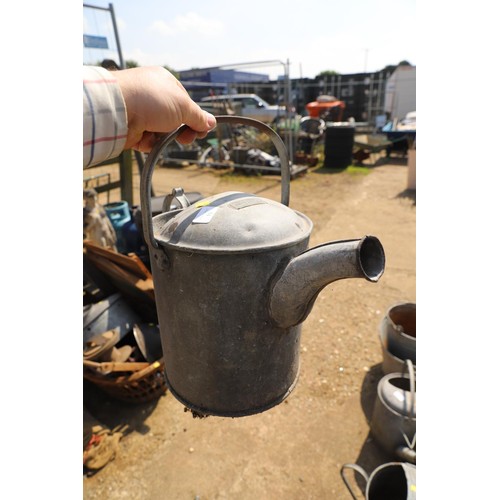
401,93
216,75
369,97
205,81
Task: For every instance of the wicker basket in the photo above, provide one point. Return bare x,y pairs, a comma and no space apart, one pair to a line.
139,387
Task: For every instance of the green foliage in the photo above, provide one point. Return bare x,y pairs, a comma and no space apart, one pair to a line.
391,67
357,170
131,64
175,73
329,72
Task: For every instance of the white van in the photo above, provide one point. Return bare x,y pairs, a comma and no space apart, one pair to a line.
249,105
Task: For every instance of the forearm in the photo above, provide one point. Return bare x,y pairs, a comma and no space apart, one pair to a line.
104,116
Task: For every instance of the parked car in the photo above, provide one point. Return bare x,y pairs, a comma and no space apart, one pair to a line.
249,105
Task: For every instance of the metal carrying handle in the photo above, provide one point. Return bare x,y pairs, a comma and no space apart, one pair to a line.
356,468
413,385
408,453
153,157
176,194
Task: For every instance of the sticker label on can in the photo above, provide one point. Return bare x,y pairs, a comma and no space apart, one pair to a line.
204,216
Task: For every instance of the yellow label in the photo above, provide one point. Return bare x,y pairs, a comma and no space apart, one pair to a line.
413,487
202,203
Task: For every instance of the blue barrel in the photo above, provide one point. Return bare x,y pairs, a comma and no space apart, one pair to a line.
119,215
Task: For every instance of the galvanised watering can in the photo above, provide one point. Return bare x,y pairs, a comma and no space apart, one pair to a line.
233,281
394,419
390,481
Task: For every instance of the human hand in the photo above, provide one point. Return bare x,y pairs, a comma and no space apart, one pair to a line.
157,103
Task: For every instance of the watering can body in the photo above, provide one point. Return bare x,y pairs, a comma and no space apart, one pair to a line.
394,419
223,354
234,279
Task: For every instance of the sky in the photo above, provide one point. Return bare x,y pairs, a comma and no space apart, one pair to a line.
313,36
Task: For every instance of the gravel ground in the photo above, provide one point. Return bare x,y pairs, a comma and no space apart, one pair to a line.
294,450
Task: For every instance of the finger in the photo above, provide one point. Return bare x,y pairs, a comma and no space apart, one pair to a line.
187,136
201,135
199,119
146,142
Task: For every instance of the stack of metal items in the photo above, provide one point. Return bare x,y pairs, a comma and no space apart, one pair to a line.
122,355
394,417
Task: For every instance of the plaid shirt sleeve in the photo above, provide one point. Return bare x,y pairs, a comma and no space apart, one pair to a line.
104,116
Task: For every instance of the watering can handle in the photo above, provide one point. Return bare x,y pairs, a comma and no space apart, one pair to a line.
413,388
154,155
359,470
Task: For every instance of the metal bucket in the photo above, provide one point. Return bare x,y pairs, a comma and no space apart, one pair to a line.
398,335
390,362
401,326
390,481
108,314
394,418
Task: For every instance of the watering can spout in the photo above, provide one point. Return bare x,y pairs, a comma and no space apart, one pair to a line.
299,284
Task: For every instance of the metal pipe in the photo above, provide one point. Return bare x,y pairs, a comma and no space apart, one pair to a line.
296,289
115,28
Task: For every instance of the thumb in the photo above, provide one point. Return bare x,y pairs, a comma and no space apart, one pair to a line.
198,119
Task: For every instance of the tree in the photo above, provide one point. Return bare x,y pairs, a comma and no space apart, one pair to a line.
328,72
131,64
175,73
391,68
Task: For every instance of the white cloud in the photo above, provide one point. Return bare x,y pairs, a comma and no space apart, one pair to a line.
146,58
189,23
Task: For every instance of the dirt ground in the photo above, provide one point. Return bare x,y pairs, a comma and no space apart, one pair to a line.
294,450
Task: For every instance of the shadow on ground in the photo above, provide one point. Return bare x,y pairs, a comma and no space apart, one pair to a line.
114,413
371,455
410,194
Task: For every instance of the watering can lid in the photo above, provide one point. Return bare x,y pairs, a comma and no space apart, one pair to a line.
231,222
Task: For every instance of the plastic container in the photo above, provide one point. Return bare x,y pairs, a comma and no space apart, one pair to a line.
339,142
119,214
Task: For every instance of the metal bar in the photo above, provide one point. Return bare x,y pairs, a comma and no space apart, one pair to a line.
127,192
98,176
115,28
255,63
108,187
111,10
95,7
256,167
139,158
